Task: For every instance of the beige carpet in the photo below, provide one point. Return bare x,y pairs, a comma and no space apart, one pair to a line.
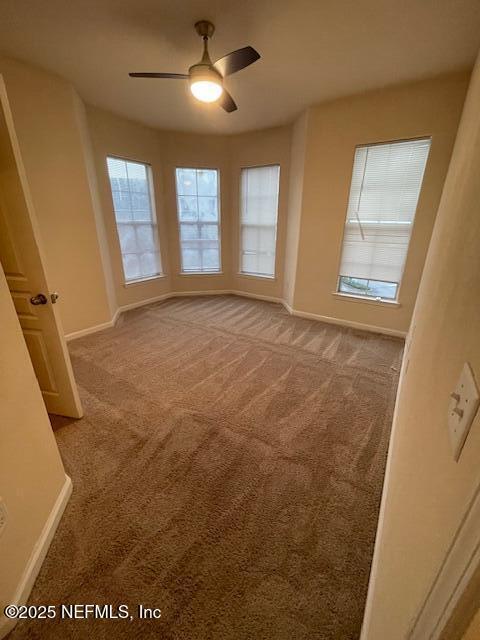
228,471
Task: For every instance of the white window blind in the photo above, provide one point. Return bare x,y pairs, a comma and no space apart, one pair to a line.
199,220
258,220
384,192
135,217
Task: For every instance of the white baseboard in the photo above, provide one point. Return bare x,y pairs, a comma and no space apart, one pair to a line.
89,330
345,323
245,294
460,564
386,493
115,317
288,307
257,296
141,303
37,557
207,292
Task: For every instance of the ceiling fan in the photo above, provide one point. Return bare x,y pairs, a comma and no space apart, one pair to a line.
206,77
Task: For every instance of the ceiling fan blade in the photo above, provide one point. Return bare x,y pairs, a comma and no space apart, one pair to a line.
227,102
236,60
174,76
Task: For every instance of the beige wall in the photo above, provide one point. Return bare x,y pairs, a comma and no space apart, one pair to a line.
426,492
115,136
93,183
31,471
295,201
428,108
316,161
45,117
164,151
64,152
189,150
271,146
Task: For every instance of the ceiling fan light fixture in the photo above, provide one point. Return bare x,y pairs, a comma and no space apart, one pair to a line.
206,90
206,78
205,83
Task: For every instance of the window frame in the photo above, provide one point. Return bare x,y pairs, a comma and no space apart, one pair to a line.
151,193
361,296
219,223
244,274
392,302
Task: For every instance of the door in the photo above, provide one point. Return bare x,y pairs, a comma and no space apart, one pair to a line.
21,258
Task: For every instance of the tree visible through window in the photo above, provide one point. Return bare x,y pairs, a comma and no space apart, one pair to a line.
384,192
132,195
198,219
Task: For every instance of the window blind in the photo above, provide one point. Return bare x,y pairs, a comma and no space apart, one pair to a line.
258,220
198,219
384,192
135,218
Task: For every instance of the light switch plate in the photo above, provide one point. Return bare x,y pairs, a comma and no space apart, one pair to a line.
463,406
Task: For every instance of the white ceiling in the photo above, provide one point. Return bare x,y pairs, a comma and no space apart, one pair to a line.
312,50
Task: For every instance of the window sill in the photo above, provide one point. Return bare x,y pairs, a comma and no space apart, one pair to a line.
132,283
254,276
353,298
188,274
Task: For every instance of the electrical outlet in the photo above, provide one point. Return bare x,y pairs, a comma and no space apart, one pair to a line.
3,515
463,406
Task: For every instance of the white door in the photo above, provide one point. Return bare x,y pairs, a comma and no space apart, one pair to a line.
21,258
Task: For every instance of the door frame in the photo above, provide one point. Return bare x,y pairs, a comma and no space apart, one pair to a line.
67,380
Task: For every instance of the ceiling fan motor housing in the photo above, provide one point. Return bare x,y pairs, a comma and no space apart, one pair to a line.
206,72
205,78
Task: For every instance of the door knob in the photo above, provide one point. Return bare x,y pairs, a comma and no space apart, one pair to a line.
39,299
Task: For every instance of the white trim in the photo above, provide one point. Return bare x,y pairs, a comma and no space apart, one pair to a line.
153,210
89,330
346,323
246,294
241,224
140,303
116,315
459,566
255,276
37,556
219,221
288,307
193,274
351,297
205,292
133,283
383,506
257,296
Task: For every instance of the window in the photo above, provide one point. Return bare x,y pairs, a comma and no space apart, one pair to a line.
199,220
386,183
132,195
258,220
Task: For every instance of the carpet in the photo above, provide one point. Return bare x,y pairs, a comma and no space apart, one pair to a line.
228,471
